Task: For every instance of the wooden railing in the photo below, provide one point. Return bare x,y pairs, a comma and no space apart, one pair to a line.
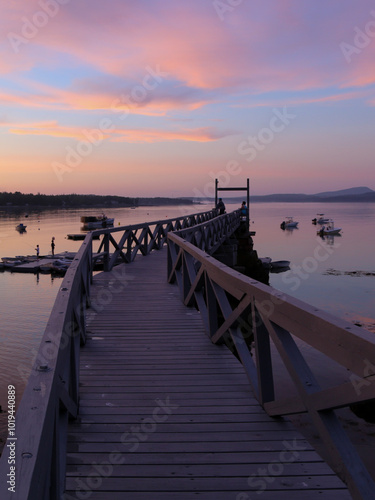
51,395
209,236
143,238
254,320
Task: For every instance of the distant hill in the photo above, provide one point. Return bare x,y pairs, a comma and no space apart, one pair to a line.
352,195
345,192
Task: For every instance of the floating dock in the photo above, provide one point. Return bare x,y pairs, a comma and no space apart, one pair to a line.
57,264
33,264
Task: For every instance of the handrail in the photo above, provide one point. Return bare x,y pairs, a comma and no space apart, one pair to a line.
250,316
51,395
143,237
209,236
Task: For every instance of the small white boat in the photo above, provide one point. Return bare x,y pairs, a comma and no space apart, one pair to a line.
320,220
288,223
329,228
274,265
93,222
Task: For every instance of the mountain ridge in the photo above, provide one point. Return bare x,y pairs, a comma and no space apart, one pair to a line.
344,192
355,195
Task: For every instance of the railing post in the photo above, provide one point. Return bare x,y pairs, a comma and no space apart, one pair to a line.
106,252
263,354
212,309
169,261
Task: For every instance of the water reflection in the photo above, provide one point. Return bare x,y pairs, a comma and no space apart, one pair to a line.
330,238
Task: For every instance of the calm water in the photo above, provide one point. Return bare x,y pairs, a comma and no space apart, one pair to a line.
320,267
318,272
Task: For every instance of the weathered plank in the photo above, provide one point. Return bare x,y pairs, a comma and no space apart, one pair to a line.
165,414
328,494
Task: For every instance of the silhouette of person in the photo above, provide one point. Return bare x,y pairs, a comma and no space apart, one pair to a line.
243,211
220,207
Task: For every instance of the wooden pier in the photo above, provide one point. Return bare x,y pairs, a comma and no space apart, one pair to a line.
166,414
155,380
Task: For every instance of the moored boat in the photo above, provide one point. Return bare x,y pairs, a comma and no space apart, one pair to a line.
58,266
320,220
274,265
80,236
288,223
94,222
21,228
280,264
10,262
329,229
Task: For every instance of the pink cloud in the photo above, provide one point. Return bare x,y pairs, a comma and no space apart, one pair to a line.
144,135
263,47
204,134
108,98
76,69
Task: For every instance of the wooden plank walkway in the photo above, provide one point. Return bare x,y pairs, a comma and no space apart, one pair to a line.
166,415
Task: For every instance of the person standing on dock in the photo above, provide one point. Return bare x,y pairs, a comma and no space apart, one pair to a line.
53,246
220,207
243,211
37,251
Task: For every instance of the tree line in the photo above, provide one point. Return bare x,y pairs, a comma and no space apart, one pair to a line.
64,200
82,200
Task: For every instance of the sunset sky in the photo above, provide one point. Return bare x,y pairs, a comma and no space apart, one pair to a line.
158,97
